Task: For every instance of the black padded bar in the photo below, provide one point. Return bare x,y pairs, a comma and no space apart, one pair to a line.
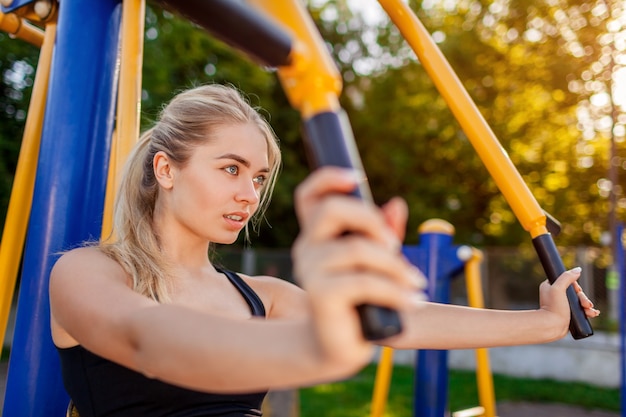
550,258
329,140
239,25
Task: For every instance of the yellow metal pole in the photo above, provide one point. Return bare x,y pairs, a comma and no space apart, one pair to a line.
484,377
18,212
128,101
382,381
495,158
18,27
312,81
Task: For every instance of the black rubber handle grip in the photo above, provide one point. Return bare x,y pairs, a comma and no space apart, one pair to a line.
239,25
550,258
329,141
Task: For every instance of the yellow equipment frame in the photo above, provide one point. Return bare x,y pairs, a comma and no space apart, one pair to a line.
16,223
484,377
313,85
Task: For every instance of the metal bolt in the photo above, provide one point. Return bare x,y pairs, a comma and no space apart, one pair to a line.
464,253
42,8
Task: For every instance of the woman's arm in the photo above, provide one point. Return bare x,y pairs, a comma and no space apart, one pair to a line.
444,326
92,305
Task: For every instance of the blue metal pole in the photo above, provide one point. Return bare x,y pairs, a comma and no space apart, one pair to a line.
69,191
437,258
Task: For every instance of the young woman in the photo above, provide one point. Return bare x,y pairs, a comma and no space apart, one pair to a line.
146,325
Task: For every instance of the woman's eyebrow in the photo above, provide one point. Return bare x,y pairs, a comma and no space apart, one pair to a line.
237,158
241,160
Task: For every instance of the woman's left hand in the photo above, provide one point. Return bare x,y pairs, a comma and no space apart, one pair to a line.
552,297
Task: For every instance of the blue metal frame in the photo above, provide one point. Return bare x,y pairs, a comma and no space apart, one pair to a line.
16,5
69,191
437,258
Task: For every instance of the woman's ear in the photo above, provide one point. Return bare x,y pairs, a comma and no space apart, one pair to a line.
163,171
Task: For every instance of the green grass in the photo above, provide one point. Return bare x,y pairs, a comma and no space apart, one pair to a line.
352,398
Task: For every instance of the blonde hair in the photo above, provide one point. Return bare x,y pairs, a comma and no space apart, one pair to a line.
186,122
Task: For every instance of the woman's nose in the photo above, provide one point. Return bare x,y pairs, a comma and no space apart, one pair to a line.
248,192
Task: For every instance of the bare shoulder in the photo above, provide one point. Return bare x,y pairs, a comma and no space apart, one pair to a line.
84,273
266,283
81,254
90,301
85,261
82,278
281,297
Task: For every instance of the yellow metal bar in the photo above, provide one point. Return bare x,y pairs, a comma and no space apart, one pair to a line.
19,28
110,191
484,377
18,212
128,101
472,280
312,81
382,381
495,158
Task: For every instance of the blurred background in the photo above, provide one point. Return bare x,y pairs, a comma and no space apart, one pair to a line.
549,77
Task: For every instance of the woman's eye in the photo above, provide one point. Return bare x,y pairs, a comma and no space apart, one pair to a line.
232,169
260,180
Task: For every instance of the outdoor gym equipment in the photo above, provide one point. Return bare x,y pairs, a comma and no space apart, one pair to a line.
312,84
79,119
441,262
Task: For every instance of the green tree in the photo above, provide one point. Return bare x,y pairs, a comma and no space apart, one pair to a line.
520,62
536,70
18,61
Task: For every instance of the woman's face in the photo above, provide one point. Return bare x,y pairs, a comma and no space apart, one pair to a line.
214,195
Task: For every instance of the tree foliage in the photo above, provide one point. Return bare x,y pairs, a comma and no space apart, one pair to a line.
18,61
541,73
523,63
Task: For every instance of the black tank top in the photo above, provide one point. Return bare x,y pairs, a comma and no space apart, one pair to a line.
99,387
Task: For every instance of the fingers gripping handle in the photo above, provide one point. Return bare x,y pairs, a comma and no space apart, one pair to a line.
579,325
329,140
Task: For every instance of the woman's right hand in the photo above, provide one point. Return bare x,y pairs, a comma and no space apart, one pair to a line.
349,253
